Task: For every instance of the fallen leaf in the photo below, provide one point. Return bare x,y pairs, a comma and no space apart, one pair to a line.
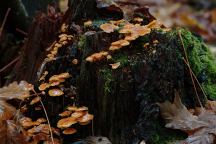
201,129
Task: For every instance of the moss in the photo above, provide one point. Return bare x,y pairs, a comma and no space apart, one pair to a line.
166,136
107,76
201,61
122,58
81,42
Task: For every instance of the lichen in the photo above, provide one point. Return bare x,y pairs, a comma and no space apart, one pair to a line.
201,61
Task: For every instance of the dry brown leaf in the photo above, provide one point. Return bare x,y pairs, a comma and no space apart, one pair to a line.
14,133
201,129
15,90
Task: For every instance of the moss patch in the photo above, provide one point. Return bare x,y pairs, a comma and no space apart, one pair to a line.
201,61
122,58
107,76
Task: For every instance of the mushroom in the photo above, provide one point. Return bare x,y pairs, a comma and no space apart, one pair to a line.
115,65
64,75
75,61
41,120
83,108
86,118
43,76
43,86
65,113
27,122
66,122
55,92
35,100
121,42
69,131
77,114
97,56
72,108
88,23
154,24
108,28
138,19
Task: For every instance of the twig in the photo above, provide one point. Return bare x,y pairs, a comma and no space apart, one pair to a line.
50,129
11,63
196,79
4,21
192,79
21,31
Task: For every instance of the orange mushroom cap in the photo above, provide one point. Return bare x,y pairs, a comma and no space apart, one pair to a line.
55,92
69,131
66,122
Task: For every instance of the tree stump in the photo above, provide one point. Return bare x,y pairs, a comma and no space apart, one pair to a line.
152,68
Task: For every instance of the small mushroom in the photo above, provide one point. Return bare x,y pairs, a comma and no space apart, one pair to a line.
77,114
83,108
88,23
43,76
66,122
108,28
115,65
154,24
55,92
72,108
69,131
138,19
86,118
43,86
41,120
120,42
35,100
64,75
75,61
65,113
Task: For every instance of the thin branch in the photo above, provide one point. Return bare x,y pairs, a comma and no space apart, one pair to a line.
22,32
8,65
192,79
50,129
196,80
4,21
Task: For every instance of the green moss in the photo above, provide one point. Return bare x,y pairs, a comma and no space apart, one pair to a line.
166,136
201,61
107,76
122,58
81,42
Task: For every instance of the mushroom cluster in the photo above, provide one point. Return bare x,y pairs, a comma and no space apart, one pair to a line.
74,115
54,80
63,40
130,32
97,56
37,131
